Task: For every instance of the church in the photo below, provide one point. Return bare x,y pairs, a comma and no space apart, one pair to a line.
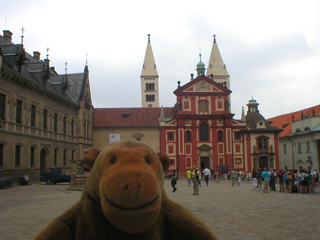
199,129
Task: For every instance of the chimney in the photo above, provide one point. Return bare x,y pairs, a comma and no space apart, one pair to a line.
36,55
7,35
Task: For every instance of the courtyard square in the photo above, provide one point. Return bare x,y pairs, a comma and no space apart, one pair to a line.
232,212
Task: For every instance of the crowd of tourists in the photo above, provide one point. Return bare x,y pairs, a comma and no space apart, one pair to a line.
289,180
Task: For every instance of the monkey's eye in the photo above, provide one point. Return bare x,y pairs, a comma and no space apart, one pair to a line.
148,160
113,160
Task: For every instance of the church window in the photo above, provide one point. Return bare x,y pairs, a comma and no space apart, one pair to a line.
2,106
149,86
237,135
220,136
262,144
204,134
170,136
188,136
203,106
150,98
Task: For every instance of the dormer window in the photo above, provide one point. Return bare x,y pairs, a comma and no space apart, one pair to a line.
261,124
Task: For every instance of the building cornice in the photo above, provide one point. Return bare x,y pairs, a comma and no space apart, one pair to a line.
17,79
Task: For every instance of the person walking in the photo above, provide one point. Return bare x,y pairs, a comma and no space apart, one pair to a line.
217,176
254,179
195,180
259,179
280,179
207,175
174,180
265,175
290,180
272,182
234,177
188,176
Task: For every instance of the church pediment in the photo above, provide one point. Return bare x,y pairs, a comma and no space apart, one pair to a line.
203,84
205,147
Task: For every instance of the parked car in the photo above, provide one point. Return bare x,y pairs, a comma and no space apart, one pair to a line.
54,175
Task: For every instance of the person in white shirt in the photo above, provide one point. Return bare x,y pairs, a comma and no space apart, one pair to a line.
207,175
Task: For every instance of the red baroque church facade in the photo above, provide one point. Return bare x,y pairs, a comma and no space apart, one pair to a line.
204,133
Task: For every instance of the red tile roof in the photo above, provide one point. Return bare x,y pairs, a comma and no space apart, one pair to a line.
129,117
285,121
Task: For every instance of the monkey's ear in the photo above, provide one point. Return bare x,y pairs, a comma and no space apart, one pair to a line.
91,155
165,161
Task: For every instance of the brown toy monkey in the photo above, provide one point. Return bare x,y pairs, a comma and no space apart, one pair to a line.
124,198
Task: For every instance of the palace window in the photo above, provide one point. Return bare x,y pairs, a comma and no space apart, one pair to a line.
2,106
72,127
203,105
55,157
308,147
299,147
84,130
45,119
64,157
55,122
17,155
204,134
19,112
1,154
64,125
220,136
284,148
32,150
33,116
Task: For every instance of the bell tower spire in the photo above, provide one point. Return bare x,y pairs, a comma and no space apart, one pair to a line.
149,79
216,65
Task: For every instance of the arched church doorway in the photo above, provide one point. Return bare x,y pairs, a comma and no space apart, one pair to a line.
43,157
263,162
204,162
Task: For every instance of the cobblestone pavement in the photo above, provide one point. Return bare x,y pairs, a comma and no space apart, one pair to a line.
232,212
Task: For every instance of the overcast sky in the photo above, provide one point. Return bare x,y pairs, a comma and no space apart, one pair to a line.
271,48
